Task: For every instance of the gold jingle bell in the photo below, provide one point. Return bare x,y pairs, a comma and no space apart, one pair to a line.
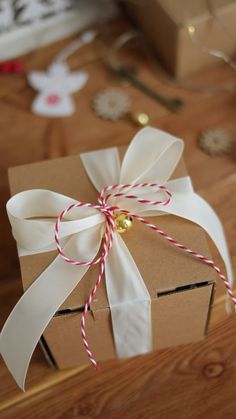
123,222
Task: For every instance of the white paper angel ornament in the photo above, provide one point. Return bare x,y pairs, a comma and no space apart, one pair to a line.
56,86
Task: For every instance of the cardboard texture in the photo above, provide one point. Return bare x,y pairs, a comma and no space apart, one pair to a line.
180,286
164,25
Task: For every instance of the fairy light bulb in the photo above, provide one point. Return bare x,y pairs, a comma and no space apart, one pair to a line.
191,29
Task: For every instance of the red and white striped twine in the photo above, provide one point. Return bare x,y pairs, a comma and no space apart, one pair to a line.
109,211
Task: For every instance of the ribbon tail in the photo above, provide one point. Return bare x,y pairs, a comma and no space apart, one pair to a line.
190,206
130,302
36,307
194,208
214,228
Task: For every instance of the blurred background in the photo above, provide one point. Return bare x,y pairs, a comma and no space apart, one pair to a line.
78,75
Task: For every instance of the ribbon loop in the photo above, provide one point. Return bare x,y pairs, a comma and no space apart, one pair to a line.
151,157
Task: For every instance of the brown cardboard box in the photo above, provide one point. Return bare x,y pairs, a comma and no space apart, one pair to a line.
164,25
181,287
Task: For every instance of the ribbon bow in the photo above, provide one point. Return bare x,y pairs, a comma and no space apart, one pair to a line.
147,165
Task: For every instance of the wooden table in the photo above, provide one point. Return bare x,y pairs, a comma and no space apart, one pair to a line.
189,382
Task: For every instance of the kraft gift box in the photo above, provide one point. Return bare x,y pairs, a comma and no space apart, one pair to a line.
163,23
181,287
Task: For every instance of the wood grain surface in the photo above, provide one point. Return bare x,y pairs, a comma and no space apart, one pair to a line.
195,381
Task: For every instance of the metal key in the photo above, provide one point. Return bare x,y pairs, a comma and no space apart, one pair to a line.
126,73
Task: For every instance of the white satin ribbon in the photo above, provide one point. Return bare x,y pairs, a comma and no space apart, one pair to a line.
81,232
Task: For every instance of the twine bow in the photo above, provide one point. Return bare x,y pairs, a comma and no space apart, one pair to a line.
109,212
